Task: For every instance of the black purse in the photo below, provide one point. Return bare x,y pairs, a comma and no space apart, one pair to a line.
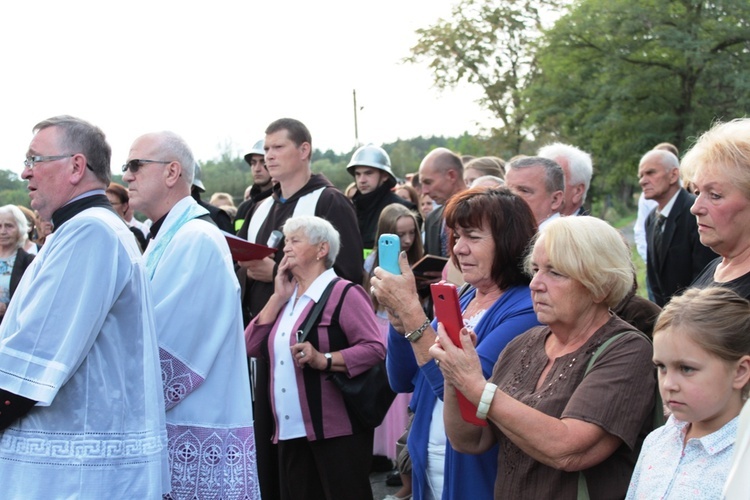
367,396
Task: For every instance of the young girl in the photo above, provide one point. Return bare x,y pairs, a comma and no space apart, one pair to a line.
702,355
399,220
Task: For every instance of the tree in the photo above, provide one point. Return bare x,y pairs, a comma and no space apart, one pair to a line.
12,189
335,171
227,174
10,180
618,77
490,44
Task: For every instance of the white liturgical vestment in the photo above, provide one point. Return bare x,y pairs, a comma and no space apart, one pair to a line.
204,366
79,338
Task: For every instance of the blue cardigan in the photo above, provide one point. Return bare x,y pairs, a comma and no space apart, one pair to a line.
466,476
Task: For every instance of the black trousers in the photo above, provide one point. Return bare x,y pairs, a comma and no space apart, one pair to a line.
266,450
328,469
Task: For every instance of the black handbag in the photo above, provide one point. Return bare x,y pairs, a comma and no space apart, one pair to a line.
367,396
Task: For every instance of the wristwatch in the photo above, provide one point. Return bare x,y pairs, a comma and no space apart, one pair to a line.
417,334
329,361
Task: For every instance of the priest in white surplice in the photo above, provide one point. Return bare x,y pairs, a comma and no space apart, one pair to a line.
199,327
81,413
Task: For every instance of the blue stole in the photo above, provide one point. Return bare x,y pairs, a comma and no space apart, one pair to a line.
193,211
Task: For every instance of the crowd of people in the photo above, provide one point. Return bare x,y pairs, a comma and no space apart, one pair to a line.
141,359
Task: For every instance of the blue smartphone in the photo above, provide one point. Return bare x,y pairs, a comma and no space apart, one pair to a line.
389,246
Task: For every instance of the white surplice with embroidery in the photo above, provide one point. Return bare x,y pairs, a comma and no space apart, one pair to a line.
204,367
79,338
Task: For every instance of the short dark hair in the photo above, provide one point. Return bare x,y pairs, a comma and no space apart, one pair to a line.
119,191
554,179
82,137
510,220
296,130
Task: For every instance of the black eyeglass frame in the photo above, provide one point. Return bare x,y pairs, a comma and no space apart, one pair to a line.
135,164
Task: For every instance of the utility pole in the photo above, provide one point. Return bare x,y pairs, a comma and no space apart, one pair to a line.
356,131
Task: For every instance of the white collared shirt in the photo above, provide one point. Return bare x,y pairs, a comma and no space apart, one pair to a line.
548,220
285,390
668,207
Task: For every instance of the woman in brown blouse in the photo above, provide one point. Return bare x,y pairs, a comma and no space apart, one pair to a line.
561,428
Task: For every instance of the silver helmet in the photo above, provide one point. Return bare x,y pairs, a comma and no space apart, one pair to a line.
371,156
257,149
197,182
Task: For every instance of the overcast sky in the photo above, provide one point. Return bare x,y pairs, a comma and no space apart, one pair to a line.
219,72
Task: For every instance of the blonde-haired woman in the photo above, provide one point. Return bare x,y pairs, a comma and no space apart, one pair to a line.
718,168
553,418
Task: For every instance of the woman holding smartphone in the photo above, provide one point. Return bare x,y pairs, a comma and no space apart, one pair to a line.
489,233
565,425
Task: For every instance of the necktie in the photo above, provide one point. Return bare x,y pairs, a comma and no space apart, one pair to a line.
443,240
658,232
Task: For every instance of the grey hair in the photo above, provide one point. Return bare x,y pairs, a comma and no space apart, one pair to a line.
665,158
21,223
554,176
316,230
579,163
79,136
491,181
174,147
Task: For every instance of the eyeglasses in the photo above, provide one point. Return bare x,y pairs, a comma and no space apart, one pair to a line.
30,161
135,165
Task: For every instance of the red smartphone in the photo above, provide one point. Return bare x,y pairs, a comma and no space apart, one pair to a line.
448,312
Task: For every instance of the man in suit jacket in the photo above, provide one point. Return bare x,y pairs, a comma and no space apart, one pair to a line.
675,253
442,175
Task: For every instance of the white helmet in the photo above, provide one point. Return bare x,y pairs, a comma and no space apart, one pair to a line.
257,149
371,156
197,182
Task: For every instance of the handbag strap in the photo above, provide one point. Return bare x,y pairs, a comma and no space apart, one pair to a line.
657,416
304,330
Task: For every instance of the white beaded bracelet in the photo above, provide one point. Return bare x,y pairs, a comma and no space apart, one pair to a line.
484,403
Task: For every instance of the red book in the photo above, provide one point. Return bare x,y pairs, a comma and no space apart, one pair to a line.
244,250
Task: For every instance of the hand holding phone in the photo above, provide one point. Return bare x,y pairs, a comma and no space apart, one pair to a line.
448,312
389,246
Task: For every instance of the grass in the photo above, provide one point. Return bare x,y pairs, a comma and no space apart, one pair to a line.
640,266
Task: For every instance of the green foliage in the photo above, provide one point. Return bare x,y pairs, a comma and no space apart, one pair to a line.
13,189
14,197
618,77
10,180
490,44
334,170
226,175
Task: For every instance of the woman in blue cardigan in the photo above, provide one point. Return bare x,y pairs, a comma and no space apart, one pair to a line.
489,232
